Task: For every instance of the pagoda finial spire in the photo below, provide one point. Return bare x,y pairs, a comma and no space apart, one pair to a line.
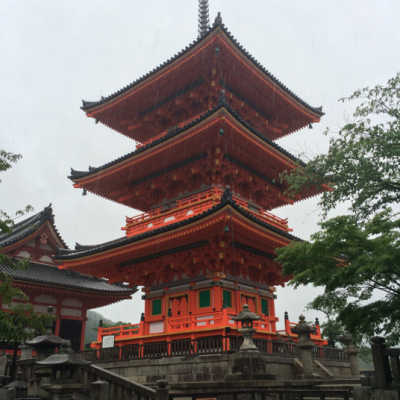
204,20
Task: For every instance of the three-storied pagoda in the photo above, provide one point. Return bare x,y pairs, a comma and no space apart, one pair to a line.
205,174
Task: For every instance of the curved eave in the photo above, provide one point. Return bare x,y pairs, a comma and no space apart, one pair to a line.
94,107
271,145
125,294
33,225
225,205
32,235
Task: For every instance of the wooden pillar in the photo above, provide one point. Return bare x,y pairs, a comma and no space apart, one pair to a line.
58,321
272,316
217,294
147,314
83,329
192,299
238,304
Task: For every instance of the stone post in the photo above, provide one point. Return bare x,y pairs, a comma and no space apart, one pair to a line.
383,374
99,390
305,345
11,394
26,351
352,352
19,385
162,391
3,368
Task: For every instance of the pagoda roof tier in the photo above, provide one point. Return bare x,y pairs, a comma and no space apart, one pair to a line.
40,278
29,226
217,147
190,82
40,274
197,244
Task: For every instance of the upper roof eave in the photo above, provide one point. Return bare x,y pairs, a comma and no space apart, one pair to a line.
217,26
41,274
25,228
77,176
226,200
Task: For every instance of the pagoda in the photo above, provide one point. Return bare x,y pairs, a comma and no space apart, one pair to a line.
205,174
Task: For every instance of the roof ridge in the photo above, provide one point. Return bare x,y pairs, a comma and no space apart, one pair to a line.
42,273
29,225
226,199
87,105
222,103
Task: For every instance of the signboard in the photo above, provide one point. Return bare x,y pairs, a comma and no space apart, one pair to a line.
108,341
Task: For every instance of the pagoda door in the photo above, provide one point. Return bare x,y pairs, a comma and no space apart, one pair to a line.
179,307
250,301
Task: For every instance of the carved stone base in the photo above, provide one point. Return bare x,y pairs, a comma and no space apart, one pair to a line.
249,365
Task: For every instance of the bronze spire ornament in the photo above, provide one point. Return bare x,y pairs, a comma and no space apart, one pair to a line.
204,20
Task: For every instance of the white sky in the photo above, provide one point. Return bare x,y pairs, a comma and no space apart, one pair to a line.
53,53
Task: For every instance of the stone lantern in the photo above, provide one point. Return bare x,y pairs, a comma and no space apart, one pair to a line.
46,344
20,386
26,351
64,375
246,317
248,363
305,345
352,352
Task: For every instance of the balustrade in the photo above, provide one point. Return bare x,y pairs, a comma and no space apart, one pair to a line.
208,345
190,206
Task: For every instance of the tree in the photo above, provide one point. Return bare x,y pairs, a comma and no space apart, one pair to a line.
14,321
356,257
330,305
363,162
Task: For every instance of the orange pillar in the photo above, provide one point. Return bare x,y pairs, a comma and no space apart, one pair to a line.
287,324
272,316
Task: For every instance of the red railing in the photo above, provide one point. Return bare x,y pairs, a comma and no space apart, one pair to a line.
122,330
180,324
289,325
201,346
190,206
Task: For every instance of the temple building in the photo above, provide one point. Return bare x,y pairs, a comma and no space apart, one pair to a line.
205,175
70,293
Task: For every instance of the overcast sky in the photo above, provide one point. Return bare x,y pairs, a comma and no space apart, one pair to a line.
54,53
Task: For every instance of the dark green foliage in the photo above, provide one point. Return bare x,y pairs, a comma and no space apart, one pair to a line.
363,161
369,264
356,257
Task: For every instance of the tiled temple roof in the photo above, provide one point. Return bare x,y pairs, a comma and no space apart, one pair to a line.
87,105
28,226
174,132
49,275
226,199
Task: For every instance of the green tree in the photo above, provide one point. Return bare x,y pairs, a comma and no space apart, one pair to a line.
330,305
14,321
356,257
363,161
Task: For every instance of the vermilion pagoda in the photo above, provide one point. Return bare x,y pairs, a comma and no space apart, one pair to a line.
206,175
